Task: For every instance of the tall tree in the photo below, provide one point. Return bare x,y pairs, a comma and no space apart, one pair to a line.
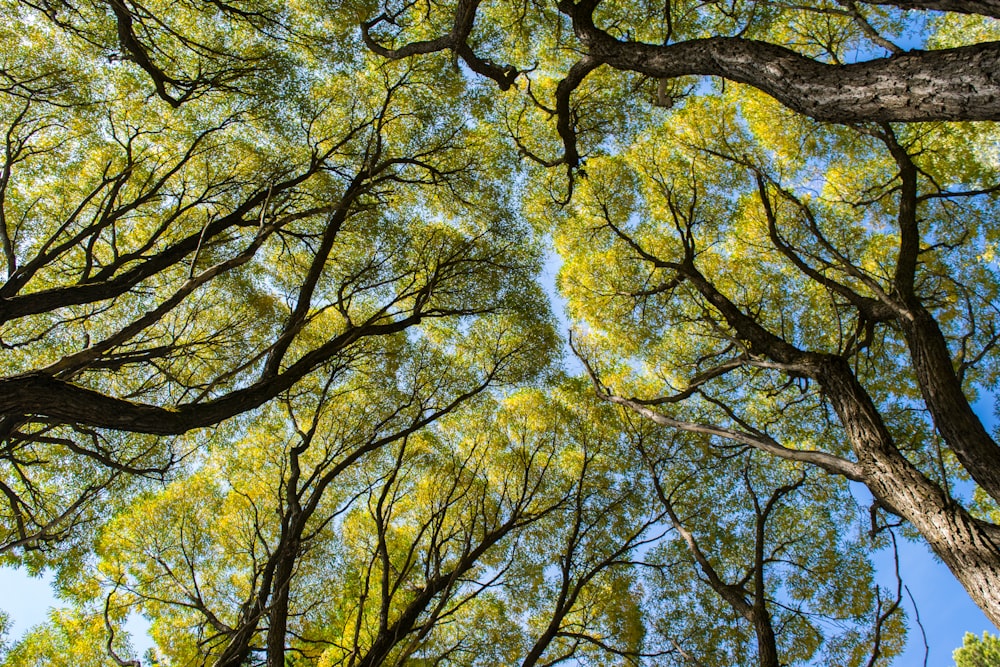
172,269
254,252
833,311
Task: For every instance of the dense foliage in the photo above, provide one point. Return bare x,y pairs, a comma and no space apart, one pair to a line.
976,652
281,374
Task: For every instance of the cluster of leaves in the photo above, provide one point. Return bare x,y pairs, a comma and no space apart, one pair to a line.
976,652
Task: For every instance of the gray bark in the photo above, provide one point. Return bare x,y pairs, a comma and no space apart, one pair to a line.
950,84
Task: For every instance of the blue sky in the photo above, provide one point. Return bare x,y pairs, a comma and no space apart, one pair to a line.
946,611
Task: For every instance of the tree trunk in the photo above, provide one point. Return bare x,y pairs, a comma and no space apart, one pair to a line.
278,609
968,546
942,390
950,84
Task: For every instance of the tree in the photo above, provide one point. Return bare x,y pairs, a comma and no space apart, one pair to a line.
262,260
70,637
338,547
748,44
795,53
791,322
168,270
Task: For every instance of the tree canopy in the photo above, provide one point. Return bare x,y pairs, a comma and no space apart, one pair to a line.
282,373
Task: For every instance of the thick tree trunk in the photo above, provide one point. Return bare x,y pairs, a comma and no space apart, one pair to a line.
237,651
984,7
954,418
969,547
767,645
278,608
564,603
271,598
37,394
950,84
